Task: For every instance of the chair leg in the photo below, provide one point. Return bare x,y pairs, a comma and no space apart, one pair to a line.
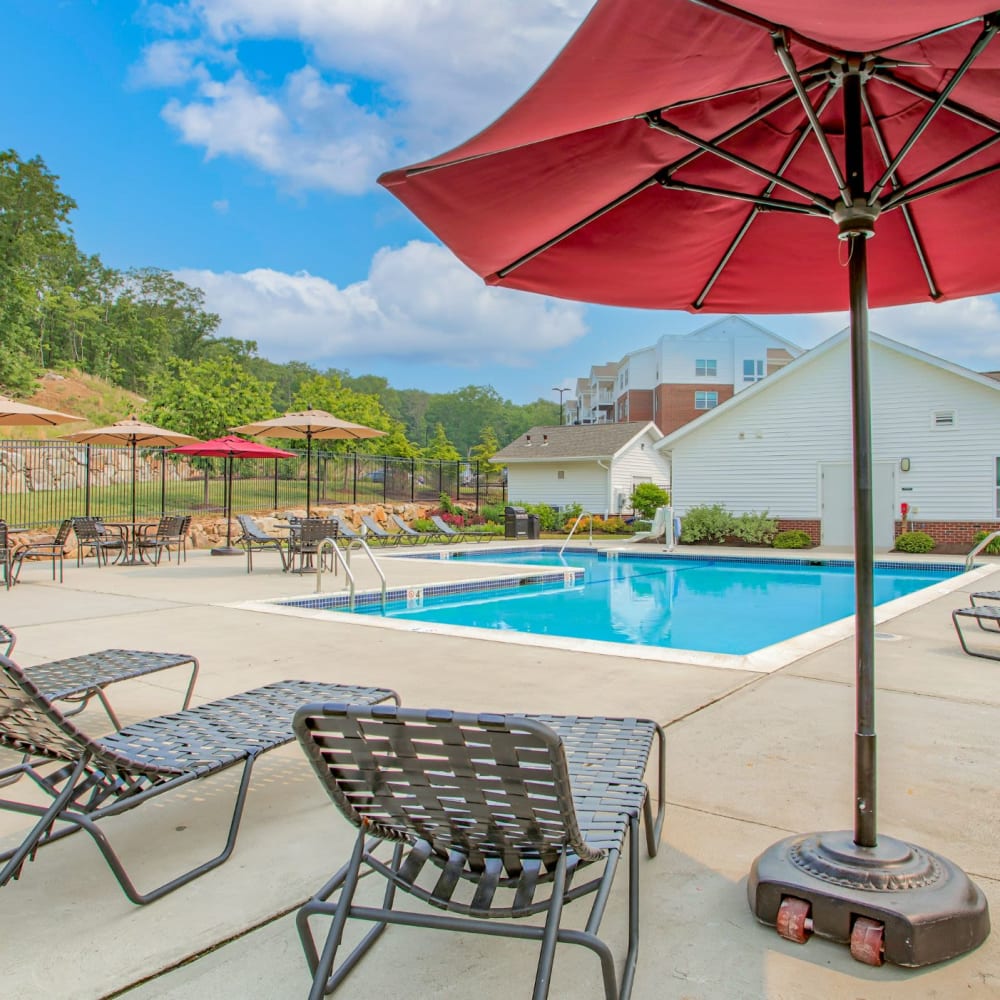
543,975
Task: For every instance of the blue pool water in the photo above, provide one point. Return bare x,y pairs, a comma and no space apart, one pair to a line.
721,606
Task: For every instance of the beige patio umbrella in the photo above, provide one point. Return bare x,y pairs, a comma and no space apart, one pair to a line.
132,432
309,424
14,413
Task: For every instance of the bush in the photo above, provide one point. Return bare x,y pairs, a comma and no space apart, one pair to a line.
616,526
646,497
794,539
638,525
915,541
706,524
422,524
755,529
492,512
993,549
447,507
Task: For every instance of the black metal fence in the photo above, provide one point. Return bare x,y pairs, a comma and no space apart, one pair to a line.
42,482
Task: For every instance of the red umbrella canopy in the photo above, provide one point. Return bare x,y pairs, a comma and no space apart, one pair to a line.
231,446
690,155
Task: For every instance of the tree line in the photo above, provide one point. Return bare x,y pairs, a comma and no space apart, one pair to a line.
143,330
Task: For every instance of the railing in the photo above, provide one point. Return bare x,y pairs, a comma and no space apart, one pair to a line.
44,482
576,524
337,559
363,545
979,548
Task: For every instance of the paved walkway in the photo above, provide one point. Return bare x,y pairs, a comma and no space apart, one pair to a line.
753,755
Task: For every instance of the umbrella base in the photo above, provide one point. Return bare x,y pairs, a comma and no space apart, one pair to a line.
894,901
227,550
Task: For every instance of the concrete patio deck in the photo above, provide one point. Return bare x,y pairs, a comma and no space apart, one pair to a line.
753,755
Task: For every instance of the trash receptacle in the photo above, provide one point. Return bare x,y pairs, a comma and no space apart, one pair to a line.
534,526
515,522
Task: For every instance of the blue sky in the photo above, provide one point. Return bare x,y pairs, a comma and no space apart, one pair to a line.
236,143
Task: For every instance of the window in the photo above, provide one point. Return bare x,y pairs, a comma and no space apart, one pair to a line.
706,400
753,370
706,366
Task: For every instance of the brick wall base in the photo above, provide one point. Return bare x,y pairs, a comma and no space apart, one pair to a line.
949,532
808,525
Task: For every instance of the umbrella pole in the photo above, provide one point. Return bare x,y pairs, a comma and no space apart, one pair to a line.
889,899
228,549
308,467
130,557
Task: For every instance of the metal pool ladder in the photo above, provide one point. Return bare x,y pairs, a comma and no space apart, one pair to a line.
343,558
576,524
979,548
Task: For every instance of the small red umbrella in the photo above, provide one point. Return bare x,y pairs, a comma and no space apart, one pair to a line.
229,447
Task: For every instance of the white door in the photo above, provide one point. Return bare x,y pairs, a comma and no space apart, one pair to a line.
837,503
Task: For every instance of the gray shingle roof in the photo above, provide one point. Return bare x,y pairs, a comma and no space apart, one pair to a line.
585,441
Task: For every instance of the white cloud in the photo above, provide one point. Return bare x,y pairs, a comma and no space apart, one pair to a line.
427,74
418,303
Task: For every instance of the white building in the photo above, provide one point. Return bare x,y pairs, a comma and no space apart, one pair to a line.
596,466
784,445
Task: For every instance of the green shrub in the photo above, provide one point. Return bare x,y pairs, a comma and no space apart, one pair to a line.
915,541
423,524
447,507
993,549
492,512
616,526
794,539
756,529
489,528
706,524
646,497
639,525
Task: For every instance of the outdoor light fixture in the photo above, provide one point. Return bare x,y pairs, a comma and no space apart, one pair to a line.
904,465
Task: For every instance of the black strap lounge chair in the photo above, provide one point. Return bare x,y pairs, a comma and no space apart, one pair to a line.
986,616
375,530
254,539
54,550
88,779
344,529
100,539
6,554
414,536
457,536
486,817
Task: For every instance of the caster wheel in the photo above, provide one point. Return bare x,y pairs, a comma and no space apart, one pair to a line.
794,922
867,944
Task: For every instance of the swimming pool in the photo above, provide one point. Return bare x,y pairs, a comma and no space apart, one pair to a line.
716,605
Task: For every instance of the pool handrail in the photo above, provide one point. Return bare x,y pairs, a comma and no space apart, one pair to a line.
576,524
979,548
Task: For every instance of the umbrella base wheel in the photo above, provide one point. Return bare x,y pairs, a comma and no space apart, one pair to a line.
227,550
894,902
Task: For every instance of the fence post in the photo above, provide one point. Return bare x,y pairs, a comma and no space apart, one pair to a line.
355,490
163,482
275,484
413,476
86,489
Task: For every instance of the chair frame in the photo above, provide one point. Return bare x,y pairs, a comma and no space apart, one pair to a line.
415,536
498,804
980,613
254,537
89,779
157,538
100,538
6,554
305,538
55,549
454,535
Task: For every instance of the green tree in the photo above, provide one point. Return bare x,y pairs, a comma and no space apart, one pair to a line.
482,453
207,398
646,497
440,447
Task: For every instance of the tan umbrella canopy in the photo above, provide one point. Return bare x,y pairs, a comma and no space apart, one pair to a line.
309,424
16,414
132,432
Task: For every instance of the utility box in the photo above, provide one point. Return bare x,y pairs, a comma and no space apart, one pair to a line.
534,526
515,522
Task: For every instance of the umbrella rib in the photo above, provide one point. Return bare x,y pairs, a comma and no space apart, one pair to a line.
785,57
990,28
804,133
818,70
913,196
911,226
776,105
957,109
709,147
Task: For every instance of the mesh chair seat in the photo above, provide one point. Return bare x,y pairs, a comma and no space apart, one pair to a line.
153,540
100,538
54,550
88,779
487,816
254,539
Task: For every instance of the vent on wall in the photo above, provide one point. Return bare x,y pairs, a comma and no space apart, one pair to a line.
944,419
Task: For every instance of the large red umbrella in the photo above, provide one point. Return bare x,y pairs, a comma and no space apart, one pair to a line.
692,154
229,447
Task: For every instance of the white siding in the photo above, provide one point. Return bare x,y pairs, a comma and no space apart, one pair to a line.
638,464
765,453
585,483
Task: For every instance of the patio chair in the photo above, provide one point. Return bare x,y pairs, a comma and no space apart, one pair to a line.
153,540
253,538
457,536
414,536
305,539
7,639
89,779
375,530
100,538
6,554
344,529
54,550
986,616
488,817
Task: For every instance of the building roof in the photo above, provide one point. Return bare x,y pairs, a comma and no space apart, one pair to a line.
808,358
574,442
